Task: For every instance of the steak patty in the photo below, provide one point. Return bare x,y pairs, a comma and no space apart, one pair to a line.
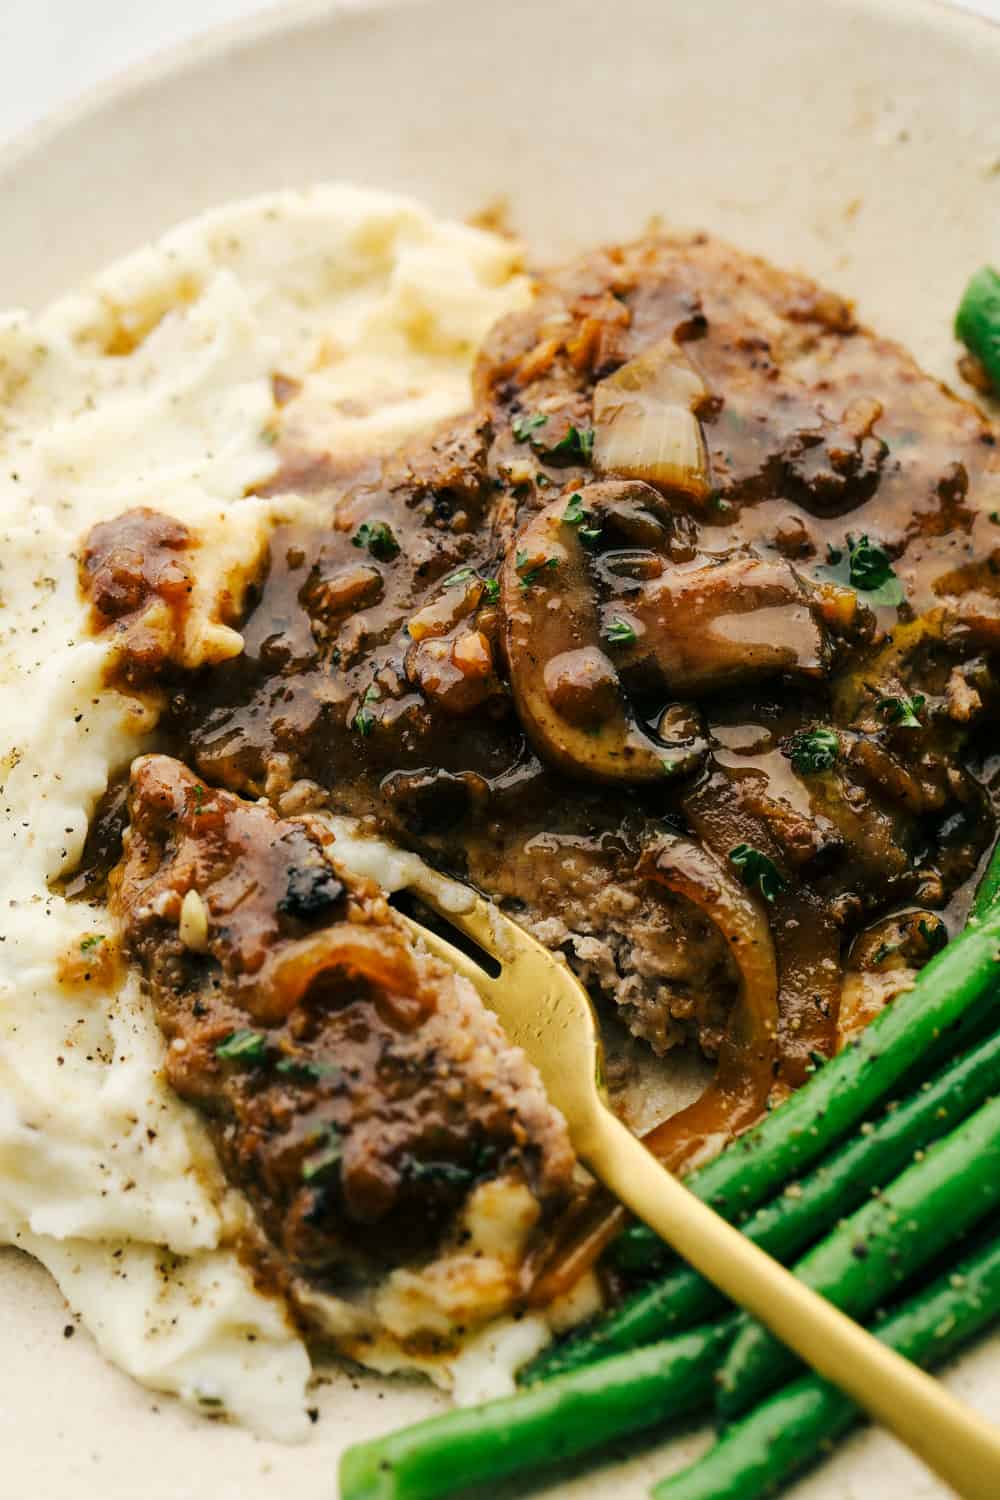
354,1087
679,645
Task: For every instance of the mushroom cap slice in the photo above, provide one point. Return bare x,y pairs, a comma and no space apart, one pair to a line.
565,686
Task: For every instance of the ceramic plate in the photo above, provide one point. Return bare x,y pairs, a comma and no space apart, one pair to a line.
858,141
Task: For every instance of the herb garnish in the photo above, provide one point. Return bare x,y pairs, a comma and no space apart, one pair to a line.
326,1158
364,720
242,1046
379,539
620,633
575,515
578,443
523,426
491,588
866,568
757,871
871,571
91,942
813,750
530,575
460,575
903,712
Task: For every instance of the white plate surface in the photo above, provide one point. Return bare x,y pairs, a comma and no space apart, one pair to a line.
857,141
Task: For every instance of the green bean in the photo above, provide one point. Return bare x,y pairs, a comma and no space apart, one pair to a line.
871,1253
806,1209
846,1089
638,1249
791,1430
548,1424
977,322
804,1212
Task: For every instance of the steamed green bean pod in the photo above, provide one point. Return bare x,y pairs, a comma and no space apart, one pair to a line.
872,1253
793,1429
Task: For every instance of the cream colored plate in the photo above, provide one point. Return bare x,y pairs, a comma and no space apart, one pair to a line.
858,141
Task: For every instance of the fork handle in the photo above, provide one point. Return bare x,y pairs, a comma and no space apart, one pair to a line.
953,1440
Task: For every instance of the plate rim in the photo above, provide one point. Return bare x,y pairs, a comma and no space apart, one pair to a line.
283,16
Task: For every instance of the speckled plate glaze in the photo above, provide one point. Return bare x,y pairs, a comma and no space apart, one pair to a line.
858,140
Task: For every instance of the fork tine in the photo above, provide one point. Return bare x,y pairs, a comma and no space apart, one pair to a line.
452,956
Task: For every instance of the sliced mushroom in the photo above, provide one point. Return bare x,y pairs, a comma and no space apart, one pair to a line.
565,686
706,628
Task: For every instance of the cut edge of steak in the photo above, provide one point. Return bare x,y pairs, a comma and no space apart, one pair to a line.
399,1155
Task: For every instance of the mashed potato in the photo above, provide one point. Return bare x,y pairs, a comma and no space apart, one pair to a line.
156,386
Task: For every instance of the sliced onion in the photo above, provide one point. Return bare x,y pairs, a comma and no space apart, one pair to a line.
644,422
366,953
691,871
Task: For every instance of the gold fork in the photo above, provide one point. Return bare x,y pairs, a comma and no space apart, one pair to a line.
545,1010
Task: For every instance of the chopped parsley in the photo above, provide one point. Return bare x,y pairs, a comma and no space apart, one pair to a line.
326,1157
575,515
378,538
364,719
523,426
491,588
757,871
813,750
620,633
243,1046
578,443
870,572
460,575
530,575
199,797
866,567
903,712
91,942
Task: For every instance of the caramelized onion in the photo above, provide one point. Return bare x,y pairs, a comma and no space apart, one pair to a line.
645,426
691,871
737,1096
366,953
